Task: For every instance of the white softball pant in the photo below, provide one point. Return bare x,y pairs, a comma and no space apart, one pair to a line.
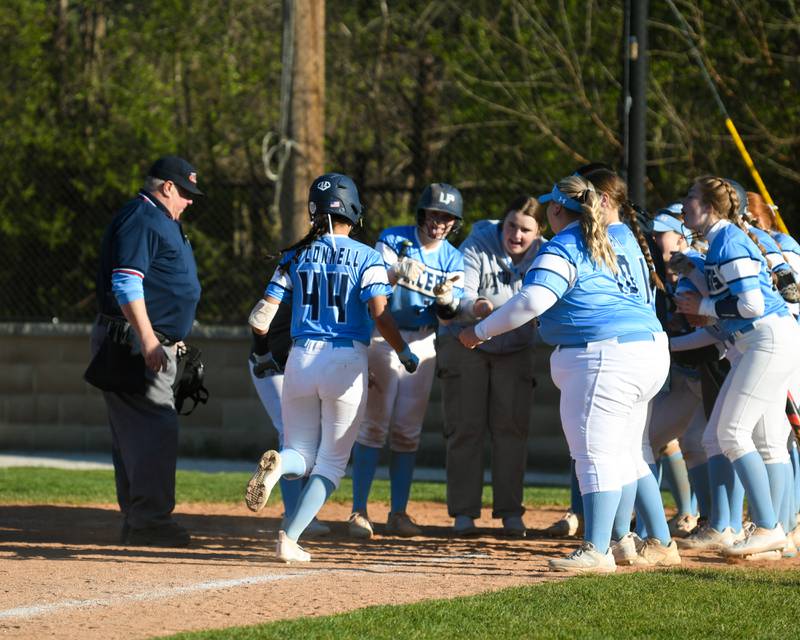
324,393
269,390
678,413
749,414
605,388
397,400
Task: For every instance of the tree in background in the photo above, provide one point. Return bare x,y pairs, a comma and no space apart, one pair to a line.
496,97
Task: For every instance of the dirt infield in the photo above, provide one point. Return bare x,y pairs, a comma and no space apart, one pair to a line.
62,574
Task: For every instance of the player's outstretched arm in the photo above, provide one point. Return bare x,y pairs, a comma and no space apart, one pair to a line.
379,310
531,302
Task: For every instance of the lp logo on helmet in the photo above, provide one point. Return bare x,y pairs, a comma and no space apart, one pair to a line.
446,198
324,185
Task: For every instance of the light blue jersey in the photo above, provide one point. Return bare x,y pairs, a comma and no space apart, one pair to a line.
734,264
634,275
684,283
786,242
590,304
329,288
412,302
775,259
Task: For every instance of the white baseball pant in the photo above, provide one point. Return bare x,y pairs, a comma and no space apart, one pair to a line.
749,413
397,400
269,390
678,413
605,388
324,394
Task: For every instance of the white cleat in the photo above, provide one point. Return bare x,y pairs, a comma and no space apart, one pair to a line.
568,526
287,550
657,554
757,541
264,479
682,526
316,529
626,550
585,559
707,539
359,526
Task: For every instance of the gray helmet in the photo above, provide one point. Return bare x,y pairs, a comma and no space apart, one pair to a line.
740,191
337,195
441,197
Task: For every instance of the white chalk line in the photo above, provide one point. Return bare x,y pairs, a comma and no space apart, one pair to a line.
155,594
212,585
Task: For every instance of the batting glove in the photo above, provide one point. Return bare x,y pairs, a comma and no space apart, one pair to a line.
408,269
681,264
444,293
263,365
408,359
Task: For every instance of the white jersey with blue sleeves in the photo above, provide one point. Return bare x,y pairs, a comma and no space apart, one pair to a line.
412,302
634,276
590,305
330,287
734,264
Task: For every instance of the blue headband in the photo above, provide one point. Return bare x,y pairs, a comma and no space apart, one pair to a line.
559,197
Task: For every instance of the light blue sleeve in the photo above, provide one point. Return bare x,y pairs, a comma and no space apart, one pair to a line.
126,287
738,267
552,269
280,286
374,280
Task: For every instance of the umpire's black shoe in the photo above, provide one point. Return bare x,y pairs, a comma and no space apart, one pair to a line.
166,535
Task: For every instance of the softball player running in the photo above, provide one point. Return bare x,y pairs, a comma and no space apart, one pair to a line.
266,364
423,267
759,324
335,285
611,358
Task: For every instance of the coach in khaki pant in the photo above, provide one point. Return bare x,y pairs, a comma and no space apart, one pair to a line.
489,388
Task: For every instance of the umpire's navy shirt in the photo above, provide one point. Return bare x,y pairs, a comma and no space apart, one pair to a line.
143,240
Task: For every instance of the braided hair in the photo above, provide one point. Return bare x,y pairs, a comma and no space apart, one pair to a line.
608,182
319,227
720,195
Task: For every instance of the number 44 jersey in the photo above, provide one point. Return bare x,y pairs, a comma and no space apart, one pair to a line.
329,284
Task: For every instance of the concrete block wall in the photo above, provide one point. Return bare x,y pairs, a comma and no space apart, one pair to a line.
46,405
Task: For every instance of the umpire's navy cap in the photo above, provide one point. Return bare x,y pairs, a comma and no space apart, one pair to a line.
178,170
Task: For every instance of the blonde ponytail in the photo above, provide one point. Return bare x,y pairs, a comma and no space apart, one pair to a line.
591,220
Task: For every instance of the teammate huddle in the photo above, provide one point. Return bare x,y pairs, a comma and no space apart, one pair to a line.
591,289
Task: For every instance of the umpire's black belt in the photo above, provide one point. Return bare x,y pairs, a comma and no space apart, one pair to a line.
120,327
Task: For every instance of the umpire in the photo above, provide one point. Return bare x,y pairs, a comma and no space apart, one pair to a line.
147,294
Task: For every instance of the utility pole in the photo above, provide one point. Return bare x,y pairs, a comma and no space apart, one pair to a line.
306,122
636,99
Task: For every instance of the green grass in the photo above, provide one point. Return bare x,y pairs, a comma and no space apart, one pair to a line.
676,604
40,485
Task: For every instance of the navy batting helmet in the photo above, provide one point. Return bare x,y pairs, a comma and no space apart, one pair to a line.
337,195
441,197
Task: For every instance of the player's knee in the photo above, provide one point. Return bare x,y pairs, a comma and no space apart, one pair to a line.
404,442
372,435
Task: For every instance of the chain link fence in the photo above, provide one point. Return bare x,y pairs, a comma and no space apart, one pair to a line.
49,275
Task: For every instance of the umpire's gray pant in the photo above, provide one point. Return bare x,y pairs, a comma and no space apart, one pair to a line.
144,444
485,392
